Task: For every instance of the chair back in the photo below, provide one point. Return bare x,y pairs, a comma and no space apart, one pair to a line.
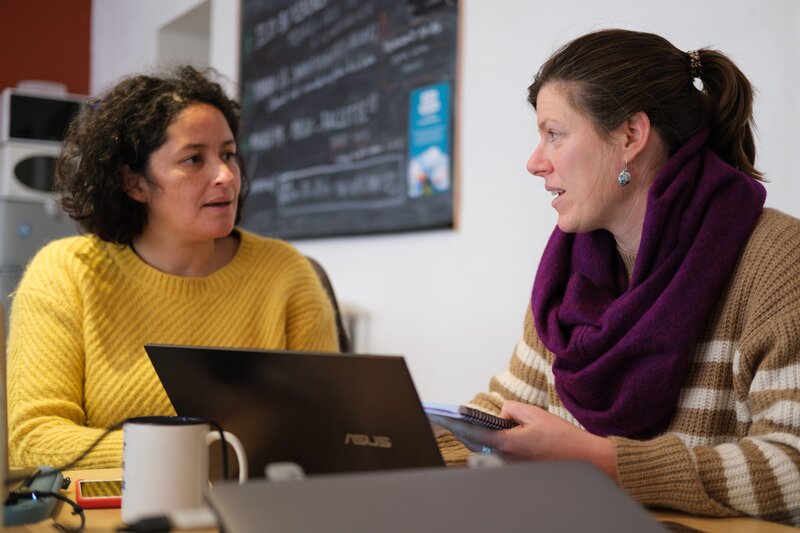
345,345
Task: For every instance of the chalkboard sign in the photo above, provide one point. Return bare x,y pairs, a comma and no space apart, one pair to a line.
348,115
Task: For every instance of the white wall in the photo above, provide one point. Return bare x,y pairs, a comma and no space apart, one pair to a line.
453,301
125,36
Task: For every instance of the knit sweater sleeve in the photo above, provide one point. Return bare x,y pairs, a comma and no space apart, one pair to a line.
46,367
527,376
525,380
756,469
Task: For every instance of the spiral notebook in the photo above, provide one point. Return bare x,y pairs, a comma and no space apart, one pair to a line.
468,414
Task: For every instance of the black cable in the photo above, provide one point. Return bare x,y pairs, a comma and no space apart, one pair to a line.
216,425
30,477
77,509
156,524
38,494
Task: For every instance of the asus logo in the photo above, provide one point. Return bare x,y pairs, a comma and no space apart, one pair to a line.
365,440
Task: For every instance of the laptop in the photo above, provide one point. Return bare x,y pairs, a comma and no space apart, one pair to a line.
543,497
325,412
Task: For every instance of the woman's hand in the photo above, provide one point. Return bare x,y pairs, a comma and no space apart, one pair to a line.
539,436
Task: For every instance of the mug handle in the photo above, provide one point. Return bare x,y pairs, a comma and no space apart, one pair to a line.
241,456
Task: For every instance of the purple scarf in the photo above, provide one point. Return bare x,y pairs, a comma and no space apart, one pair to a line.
622,348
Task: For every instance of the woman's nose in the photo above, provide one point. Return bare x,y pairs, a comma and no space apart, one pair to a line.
225,173
538,165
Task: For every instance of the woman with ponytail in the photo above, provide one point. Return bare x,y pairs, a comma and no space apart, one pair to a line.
662,339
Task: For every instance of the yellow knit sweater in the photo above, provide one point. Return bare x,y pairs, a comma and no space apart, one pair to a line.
733,445
85,308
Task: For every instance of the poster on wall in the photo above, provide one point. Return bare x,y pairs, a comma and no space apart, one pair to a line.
348,116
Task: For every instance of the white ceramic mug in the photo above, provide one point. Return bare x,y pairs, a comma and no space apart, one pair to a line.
165,464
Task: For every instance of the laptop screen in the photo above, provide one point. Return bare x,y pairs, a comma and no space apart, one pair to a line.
326,412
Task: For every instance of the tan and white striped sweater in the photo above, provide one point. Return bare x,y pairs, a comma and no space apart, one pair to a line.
733,445
85,308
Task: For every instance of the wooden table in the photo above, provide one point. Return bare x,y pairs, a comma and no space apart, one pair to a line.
109,519
722,525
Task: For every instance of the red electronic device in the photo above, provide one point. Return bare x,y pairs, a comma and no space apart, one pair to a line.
98,493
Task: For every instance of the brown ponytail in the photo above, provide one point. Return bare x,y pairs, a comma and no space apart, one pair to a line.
611,74
731,122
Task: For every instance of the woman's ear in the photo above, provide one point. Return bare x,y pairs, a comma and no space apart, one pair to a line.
135,184
637,134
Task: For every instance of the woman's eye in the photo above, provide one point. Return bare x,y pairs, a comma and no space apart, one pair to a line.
552,135
229,156
192,159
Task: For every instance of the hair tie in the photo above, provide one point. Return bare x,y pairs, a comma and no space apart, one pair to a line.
695,68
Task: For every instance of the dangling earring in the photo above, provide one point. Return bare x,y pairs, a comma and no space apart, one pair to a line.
624,177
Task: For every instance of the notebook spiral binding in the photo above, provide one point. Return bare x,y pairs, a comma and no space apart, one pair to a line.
485,419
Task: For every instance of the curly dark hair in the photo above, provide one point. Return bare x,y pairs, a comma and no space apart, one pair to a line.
124,127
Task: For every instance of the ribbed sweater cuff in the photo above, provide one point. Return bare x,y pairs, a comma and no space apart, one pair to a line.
107,454
652,469
661,472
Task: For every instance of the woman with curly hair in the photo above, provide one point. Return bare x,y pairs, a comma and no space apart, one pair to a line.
151,173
